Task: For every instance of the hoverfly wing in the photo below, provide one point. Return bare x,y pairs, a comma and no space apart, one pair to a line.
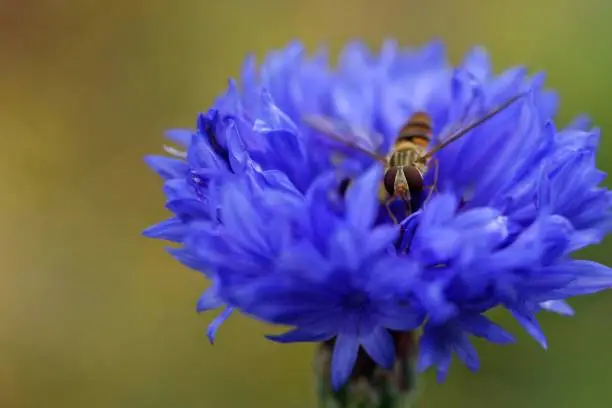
367,139
351,137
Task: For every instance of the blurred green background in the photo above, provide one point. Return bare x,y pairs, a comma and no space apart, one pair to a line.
92,315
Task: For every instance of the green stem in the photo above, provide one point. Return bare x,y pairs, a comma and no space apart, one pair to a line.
370,386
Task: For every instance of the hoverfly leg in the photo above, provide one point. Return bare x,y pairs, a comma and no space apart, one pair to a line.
388,207
432,187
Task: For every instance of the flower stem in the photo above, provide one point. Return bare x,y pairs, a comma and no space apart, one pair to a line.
370,386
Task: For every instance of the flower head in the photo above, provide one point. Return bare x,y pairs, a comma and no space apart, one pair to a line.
254,193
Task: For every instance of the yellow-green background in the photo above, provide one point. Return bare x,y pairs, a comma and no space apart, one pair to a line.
92,315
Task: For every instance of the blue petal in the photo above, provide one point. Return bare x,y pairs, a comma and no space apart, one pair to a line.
248,74
590,277
173,230
379,239
378,343
166,167
573,140
240,217
321,221
304,258
344,250
188,209
508,83
543,198
237,152
511,145
303,334
427,354
439,341
179,136
467,353
390,277
200,154
443,365
400,318
432,298
478,63
230,104
274,117
440,209
548,103
409,228
480,326
276,179
476,218
214,326
179,189
542,242
209,300
581,122
558,306
343,358
530,324
481,228
292,302
190,260
354,85
362,203
284,141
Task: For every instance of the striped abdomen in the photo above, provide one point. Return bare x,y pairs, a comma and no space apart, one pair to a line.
417,129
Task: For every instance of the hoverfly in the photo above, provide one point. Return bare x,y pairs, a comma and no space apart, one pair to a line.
409,159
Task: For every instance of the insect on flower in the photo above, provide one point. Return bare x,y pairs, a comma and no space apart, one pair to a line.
409,159
253,196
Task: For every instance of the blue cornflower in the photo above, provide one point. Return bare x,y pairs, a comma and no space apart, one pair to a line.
256,204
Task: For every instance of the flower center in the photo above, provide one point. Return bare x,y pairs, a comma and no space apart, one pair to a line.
355,300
